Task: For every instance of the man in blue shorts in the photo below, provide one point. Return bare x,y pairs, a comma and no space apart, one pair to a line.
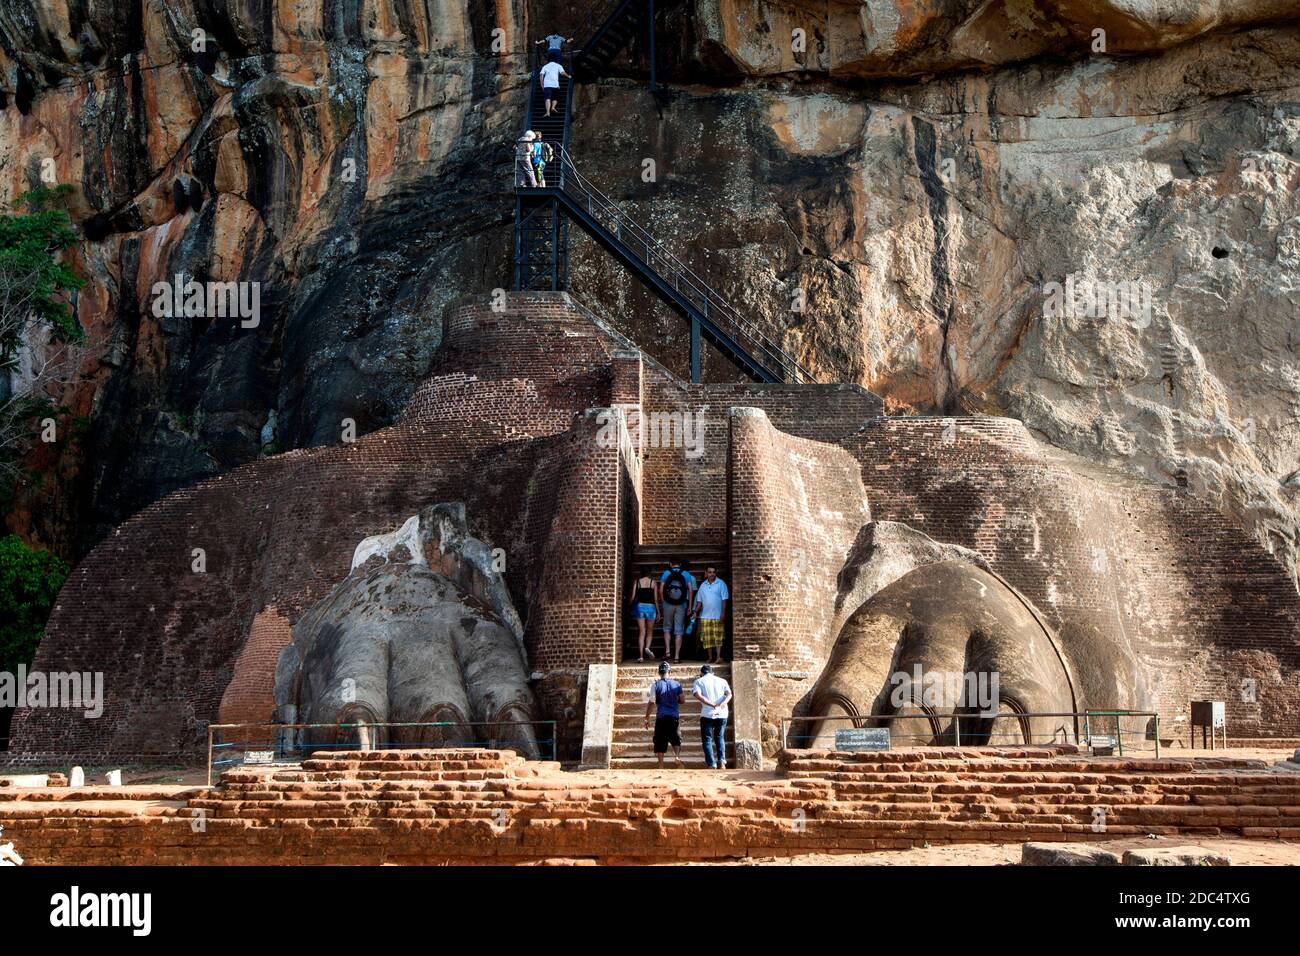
666,698
676,595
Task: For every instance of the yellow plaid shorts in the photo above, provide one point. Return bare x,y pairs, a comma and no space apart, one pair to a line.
712,634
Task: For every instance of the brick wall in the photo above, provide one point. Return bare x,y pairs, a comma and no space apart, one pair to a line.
686,495
249,698
796,506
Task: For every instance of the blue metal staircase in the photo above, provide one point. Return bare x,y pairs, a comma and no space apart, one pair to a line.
543,214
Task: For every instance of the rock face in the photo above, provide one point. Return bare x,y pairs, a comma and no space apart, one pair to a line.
915,174
399,642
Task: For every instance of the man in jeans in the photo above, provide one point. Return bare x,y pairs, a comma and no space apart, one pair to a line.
666,698
676,594
713,693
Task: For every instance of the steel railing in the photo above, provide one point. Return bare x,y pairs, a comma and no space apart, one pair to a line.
946,728
684,280
600,17
286,744
699,296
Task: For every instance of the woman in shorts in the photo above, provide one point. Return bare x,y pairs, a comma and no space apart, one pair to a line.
645,612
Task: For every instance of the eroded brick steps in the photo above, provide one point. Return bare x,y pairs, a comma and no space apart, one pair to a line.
489,806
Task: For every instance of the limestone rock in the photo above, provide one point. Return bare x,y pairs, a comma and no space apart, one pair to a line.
944,638
892,38
1066,854
405,640
1176,856
883,552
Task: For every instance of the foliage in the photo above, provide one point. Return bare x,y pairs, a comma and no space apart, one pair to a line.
29,582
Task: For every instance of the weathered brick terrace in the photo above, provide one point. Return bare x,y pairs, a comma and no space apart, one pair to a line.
491,807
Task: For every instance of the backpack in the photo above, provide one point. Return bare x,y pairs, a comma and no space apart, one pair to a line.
675,588
548,154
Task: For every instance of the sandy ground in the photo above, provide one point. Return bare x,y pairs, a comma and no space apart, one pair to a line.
1241,852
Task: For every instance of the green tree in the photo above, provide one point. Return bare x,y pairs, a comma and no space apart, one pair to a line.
29,582
33,281
34,312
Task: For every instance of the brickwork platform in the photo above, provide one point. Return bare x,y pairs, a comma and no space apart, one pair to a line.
490,807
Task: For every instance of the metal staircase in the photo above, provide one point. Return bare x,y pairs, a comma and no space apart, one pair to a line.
611,25
542,215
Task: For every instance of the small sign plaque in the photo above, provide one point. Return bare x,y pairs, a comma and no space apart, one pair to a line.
259,756
862,738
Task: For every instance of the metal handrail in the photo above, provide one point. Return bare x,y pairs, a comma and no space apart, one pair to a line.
595,26
956,718
598,204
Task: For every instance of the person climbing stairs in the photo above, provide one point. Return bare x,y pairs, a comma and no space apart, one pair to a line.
542,216
653,560
552,128
633,743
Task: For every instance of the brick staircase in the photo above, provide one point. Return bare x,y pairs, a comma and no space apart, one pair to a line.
634,742
652,559
1050,793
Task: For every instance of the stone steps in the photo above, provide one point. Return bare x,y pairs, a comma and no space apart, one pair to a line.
633,742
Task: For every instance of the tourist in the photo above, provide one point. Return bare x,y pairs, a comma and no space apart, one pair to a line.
713,693
541,153
667,700
711,608
555,46
551,74
524,173
676,594
645,612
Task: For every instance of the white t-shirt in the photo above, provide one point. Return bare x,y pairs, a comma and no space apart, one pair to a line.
551,75
711,595
712,687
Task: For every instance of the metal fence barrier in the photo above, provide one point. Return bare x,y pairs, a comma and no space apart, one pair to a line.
1094,728
232,745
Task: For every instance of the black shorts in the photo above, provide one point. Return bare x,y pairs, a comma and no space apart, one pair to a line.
666,733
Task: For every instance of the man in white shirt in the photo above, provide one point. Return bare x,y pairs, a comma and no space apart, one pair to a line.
711,608
714,694
551,74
